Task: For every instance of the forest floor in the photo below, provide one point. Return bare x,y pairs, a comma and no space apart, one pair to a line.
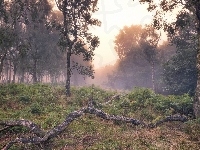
47,106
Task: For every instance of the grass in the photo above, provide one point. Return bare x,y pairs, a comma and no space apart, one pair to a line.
48,106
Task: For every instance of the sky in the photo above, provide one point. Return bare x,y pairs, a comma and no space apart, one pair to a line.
114,15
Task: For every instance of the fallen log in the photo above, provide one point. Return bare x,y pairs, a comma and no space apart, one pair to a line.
37,139
111,99
170,118
41,136
25,123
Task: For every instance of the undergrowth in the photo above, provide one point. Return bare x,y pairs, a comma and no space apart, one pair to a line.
48,106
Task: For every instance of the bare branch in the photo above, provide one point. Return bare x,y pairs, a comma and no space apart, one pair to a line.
71,117
25,123
5,128
169,119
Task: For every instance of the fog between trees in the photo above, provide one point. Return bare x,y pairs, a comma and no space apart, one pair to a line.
166,67
30,53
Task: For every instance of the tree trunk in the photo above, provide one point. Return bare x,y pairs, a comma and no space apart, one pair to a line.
10,72
7,71
196,104
14,72
35,71
68,50
153,75
68,93
22,75
1,69
1,66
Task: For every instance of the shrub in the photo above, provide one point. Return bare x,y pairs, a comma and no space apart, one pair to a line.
141,97
24,99
36,108
178,104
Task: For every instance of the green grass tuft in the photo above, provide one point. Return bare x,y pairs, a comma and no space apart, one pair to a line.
48,106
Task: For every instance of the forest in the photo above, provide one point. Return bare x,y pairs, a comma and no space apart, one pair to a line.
52,97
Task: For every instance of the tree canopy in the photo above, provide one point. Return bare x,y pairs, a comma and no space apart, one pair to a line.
75,36
136,47
192,6
31,35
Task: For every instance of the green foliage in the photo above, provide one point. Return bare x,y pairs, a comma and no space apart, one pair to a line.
188,17
192,128
7,38
175,104
180,72
138,64
83,94
35,108
24,99
75,38
48,106
145,98
141,96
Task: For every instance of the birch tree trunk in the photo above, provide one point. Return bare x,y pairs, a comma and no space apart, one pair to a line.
196,104
68,93
153,75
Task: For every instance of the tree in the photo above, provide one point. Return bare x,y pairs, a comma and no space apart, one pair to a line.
159,22
149,42
137,50
22,17
32,52
127,40
180,73
131,60
37,35
7,38
75,36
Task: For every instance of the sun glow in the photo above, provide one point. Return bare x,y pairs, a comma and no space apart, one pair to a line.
114,15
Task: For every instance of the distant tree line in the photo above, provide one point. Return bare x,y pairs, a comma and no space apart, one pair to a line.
168,67
34,38
33,47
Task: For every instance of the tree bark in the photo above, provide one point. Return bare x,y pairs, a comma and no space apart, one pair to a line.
196,104
14,72
64,11
153,75
22,75
1,65
35,71
10,72
68,93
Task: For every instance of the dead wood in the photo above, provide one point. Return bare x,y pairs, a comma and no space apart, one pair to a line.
40,136
111,99
171,118
25,123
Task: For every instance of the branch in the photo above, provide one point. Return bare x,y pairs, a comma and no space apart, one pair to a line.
5,128
25,123
43,137
103,115
169,119
110,100
35,129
